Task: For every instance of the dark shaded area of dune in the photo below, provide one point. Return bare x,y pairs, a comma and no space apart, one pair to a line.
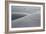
16,16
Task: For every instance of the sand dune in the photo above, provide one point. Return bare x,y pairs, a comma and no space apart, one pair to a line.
30,20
